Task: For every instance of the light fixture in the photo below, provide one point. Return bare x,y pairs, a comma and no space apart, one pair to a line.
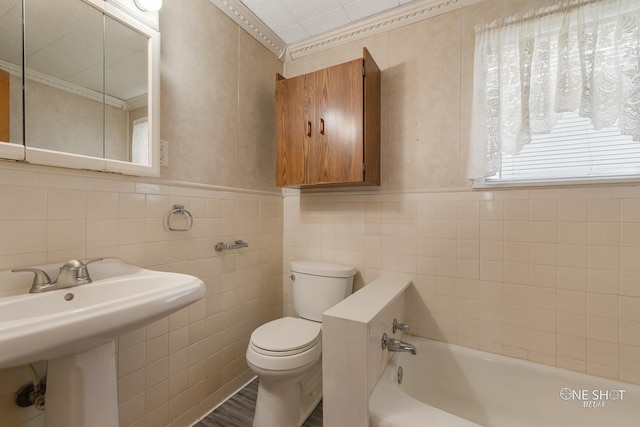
148,5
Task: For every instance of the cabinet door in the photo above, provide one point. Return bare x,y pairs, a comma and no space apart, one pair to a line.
371,119
337,151
4,107
294,129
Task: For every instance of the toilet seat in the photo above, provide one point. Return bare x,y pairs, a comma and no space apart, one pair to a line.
286,337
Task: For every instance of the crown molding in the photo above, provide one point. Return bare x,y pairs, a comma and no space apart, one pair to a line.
242,16
63,85
395,18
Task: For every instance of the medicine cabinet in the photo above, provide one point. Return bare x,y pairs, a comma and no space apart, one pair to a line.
76,79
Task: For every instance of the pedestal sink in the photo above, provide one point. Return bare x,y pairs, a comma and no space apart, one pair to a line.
74,329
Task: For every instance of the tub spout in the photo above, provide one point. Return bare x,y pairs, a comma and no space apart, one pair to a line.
395,345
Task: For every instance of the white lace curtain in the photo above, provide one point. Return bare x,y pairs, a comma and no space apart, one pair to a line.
581,55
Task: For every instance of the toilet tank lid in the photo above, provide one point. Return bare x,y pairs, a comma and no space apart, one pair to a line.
322,269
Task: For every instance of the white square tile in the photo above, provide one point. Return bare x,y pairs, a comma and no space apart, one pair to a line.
22,203
66,204
630,210
572,210
604,210
102,233
66,234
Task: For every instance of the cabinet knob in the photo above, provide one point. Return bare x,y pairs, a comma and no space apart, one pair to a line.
308,127
321,126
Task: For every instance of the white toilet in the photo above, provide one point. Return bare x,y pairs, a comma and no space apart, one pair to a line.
286,353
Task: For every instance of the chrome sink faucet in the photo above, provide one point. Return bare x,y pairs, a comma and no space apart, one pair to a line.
68,276
72,273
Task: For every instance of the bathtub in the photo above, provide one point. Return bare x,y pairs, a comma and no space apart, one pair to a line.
453,386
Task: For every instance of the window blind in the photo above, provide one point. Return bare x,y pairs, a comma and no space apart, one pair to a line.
572,150
580,56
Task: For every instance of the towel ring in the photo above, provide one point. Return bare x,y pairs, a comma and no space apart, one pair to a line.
179,209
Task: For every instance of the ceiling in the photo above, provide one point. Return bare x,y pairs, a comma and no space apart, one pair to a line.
291,29
297,20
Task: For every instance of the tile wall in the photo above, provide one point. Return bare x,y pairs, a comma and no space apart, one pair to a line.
176,369
547,275
217,114
551,276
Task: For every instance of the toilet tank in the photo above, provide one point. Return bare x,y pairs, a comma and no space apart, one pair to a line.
316,287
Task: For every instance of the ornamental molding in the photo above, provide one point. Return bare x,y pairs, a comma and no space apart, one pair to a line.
242,16
66,86
405,15
396,18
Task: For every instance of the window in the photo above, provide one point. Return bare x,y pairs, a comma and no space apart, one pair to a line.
557,94
572,150
140,141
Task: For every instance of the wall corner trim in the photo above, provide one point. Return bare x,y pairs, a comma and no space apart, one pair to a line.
242,16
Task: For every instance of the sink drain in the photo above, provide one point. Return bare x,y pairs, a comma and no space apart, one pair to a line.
68,297
400,374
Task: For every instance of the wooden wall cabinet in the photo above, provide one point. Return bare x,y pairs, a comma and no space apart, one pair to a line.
328,126
4,107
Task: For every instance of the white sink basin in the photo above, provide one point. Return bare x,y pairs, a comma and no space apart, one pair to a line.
57,323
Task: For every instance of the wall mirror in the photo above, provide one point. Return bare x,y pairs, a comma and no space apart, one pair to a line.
11,131
91,86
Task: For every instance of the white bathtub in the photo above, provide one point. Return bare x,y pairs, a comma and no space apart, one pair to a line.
453,386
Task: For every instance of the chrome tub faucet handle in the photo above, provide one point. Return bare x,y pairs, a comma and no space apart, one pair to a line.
397,326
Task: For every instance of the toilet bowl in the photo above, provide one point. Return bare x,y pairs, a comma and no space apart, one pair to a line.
286,354
289,370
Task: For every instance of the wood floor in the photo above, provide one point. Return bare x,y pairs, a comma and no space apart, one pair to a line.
238,411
